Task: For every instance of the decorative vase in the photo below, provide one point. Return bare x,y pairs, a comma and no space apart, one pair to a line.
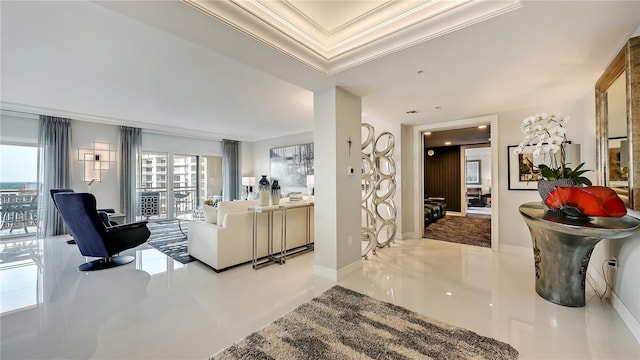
275,193
264,188
547,186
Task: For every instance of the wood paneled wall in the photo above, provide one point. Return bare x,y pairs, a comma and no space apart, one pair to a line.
442,175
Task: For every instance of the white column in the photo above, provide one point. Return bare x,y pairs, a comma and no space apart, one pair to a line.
337,118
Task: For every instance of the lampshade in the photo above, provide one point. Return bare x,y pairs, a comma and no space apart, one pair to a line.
572,155
248,180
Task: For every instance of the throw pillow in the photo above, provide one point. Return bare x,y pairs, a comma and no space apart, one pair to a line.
210,214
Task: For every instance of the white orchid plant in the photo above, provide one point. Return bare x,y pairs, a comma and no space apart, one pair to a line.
547,134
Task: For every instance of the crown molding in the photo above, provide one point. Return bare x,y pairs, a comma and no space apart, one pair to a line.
387,28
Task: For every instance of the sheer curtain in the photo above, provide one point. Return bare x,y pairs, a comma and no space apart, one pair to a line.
54,168
230,170
130,150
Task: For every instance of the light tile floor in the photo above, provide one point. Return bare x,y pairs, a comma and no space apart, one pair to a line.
156,308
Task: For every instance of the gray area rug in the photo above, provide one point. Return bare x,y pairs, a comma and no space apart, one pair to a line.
344,324
167,238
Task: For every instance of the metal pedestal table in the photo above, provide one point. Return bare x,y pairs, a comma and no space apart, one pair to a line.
562,247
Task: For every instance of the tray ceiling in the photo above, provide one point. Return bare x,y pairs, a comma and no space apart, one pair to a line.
331,36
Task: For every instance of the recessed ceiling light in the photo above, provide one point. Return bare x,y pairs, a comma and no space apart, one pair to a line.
438,107
449,293
428,133
447,142
482,127
411,112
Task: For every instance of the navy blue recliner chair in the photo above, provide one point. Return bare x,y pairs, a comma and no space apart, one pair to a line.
104,213
94,239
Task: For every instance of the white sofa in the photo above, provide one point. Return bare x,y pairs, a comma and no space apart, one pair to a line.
228,241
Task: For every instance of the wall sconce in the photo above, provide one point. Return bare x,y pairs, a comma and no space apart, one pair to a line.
100,158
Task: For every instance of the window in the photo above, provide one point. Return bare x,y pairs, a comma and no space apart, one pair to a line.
183,186
154,180
18,184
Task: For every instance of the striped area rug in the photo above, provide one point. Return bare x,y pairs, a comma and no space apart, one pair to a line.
167,238
344,324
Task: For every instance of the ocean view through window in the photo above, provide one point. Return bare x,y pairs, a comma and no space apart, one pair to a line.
18,190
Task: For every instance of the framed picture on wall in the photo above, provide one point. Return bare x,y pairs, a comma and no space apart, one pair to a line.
290,165
472,172
523,170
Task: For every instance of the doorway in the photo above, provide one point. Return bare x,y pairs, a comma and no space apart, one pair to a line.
453,165
477,186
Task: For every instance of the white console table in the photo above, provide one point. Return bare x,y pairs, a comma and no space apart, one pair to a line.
281,256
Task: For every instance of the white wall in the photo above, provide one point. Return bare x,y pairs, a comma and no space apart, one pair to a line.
180,145
337,115
261,161
513,231
408,178
18,128
247,159
627,292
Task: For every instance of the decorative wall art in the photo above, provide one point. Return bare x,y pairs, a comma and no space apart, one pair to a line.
472,172
523,169
290,165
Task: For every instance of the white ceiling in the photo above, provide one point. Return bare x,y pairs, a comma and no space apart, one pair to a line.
331,36
166,65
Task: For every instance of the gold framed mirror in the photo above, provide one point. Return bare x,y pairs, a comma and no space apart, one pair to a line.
618,124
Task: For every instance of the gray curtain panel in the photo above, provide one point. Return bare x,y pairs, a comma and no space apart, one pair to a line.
54,164
230,170
130,152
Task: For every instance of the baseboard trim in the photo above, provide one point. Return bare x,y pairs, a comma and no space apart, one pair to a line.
338,275
596,280
518,250
626,316
409,235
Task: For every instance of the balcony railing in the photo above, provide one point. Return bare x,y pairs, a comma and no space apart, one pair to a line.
153,203
18,212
